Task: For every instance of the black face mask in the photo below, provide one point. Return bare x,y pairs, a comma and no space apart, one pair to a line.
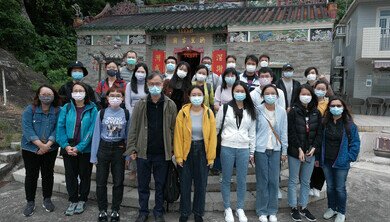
112,72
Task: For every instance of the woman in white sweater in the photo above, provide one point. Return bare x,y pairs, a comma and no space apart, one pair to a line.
237,123
137,88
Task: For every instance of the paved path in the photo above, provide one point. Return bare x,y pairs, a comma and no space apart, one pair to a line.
372,123
369,195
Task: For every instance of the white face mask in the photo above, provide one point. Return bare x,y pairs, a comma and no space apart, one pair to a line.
140,76
311,77
114,102
264,81
305,99
263,64
200,77
231,65
182,74
78,95
250,68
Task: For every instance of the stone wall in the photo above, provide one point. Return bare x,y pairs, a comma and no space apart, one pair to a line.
300,54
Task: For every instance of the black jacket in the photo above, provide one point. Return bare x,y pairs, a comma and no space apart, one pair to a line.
65,92
297,136
280,84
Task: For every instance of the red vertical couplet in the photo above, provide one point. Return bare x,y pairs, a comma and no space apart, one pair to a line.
219,61
158,61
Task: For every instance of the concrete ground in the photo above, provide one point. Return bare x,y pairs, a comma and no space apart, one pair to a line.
368,200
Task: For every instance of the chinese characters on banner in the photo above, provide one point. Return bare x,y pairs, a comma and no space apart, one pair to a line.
219,61
158,61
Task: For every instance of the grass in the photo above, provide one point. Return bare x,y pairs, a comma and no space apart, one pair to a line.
10,131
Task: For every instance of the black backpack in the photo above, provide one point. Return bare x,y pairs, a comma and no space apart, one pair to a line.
172,185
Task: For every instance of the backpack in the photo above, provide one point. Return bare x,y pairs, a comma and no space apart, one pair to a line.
127,114
172,185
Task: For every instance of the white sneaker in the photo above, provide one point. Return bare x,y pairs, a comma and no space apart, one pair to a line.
280,196
311,192
263,218
329,213
272,218
316,192
229,215
340,218
241,215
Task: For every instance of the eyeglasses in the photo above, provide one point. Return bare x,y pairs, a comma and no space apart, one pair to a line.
115,96
154,83
338,106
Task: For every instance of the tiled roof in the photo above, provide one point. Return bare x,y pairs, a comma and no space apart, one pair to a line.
216,18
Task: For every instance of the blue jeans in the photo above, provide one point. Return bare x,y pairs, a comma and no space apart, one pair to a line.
194,168
229,156
335,187
267,182
306,169
157,164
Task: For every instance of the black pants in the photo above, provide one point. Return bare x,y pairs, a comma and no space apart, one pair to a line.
77,166
110,155
34,163
317,178
159,166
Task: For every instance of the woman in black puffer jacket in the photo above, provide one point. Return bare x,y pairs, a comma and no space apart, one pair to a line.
304,141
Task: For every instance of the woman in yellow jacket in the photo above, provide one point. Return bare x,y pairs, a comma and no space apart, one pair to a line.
195,144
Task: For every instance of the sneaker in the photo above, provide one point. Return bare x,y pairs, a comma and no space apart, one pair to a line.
329,213
273,218
340,217
80,207
295,214
316,192
114,216
311,192
183,219
306,213
103,216
241,215
142,218
280,196
159,218
48,205
263,218
70,210
229,215
198,218
29,209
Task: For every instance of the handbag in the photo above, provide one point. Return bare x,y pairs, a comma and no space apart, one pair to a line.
172,185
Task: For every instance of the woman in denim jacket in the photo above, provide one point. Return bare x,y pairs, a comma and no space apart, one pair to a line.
39,146
75,127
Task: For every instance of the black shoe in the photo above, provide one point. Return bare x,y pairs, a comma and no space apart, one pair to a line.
159,218
142,218
103,216
114,216
183,219
295,214
29,209
48,205
306,213
198,218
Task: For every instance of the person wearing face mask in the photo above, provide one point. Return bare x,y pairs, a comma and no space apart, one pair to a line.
271,148
340,147
130,58
108,146
212,78
304,141
111,80
250,76
137,88
223,94
74,132
39,147
149,142
231,62
77,71
312,75
179,84
195,142
266,76
201,74
288,85
236,123
170,66
264,60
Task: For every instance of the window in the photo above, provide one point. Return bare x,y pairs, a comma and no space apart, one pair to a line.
384,21
380,83
349,33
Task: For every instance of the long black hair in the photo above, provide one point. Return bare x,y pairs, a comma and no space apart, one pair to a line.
248,103
86,98
37,101
346,116
314,99
133,82
227,71
186,80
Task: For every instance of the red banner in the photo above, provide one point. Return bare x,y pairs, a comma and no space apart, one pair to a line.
219,61
158,61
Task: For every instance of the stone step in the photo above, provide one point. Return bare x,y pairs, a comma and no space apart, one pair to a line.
4,169
10,156
130,197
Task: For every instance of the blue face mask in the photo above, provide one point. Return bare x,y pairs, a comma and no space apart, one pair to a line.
154,90
130,61
208,67
170,67
77,75
319,93
288,74
336,111
230,80
196,100
239,96
270,99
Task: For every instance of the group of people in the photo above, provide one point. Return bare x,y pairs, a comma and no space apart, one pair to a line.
142,120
